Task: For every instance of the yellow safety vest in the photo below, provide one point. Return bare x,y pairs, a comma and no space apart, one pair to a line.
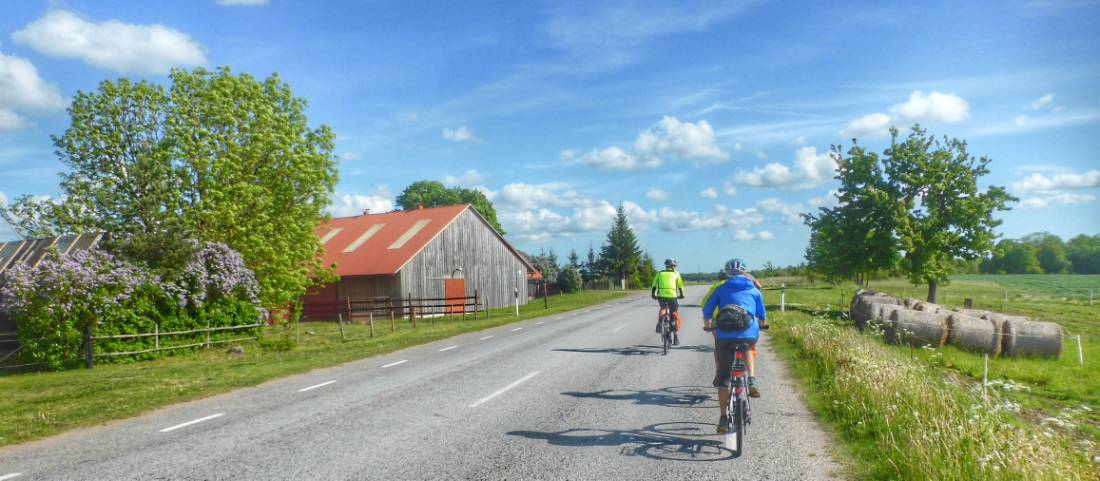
666,283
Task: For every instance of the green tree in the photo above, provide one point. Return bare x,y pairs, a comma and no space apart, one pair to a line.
1051,253
857,237
1084,253
1014,257
547,265
431,193
216,157
620,253
574,260
569,279
591,268
946,216
646,270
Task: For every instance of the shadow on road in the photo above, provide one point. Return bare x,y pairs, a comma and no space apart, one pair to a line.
678,397
670,441
637,350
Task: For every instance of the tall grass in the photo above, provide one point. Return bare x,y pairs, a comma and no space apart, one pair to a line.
907,421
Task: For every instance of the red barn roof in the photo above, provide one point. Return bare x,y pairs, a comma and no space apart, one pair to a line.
381,244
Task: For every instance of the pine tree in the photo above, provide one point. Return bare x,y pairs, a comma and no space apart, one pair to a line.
620,253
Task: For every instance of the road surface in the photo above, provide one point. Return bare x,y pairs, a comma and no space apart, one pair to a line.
584,395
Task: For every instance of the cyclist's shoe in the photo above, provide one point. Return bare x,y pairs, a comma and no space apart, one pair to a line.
675,339
753,390
724,425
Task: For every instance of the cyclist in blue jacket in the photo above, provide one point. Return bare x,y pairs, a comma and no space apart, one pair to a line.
740,290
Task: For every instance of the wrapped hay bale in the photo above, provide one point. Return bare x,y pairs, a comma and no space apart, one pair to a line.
861,308
909,302
927,307
1023,337
974,312
880,319
973,333
917,328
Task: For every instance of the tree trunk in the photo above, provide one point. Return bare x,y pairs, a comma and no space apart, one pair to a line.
932,292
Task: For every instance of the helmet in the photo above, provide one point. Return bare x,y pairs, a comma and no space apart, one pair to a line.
734,267
670,263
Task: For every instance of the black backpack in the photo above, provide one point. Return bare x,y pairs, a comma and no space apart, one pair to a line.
733,317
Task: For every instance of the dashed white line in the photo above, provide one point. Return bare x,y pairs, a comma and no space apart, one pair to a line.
447,348
188,423
9,476
392,364
540,323
486,338
517,329
315,386
617,329
504,389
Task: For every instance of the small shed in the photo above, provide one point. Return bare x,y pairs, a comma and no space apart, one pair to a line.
436,252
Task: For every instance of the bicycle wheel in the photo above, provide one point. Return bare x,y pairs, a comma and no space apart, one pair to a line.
666,336
738,424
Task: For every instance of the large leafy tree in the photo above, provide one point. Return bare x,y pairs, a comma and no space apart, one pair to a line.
857,237
430,193
215,157
620,254
1084,253
1051,252
946,216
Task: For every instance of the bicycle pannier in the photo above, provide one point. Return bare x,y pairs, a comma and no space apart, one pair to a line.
733,317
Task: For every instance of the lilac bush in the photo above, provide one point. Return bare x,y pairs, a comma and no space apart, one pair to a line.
215,272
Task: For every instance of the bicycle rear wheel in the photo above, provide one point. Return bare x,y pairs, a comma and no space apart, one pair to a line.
737,421
666,336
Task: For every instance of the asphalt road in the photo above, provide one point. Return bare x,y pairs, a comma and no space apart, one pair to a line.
586,395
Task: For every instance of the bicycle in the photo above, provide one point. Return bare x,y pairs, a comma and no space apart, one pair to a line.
740,415
665,319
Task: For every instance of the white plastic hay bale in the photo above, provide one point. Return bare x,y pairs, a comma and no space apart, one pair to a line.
860,308
975,312
918,328
927,307
1024,338
909,302
973,334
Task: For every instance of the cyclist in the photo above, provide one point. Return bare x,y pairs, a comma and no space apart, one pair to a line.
667,287
739,290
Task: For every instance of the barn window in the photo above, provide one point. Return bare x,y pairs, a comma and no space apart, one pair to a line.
363,238
332,233
409,234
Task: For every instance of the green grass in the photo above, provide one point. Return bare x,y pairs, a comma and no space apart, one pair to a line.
1041,388
35,405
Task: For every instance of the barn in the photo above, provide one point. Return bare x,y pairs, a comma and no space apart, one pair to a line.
424,253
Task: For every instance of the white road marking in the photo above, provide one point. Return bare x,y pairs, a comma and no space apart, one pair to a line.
9,476
447,348
486,338
326,383
517,329
617,329
540,323
392,364
504,389
188,423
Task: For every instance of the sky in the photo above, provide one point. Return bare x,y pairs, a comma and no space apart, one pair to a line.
710,122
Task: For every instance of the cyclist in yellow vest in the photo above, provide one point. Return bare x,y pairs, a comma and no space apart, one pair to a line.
667,287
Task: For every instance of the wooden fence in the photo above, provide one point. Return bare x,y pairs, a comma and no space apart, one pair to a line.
89,340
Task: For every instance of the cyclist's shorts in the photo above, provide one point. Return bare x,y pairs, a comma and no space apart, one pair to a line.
671,303
723,357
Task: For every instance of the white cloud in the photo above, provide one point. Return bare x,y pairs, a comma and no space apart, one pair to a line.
112,44
1041,102
728,188
788,213
1055,119
242,3
461,134
471,178
615,158
809,170
522,196
870,125
21,89
1040,182
934,107
1064,198
669,138
829,200
745,235
709,193
346,205
3,198
683,140
656,195
350,156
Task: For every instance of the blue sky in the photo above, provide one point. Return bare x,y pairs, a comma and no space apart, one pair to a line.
709,121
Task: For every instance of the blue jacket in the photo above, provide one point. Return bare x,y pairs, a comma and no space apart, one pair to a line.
738,290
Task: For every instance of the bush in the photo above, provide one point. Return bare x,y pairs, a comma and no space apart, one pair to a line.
569,280
55,301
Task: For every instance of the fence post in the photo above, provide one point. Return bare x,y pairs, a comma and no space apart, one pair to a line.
156,336
545,303
371,323
208,333
1080,352
412,310
985,374
783,298
340,320
88,347
393,318
515,293
1090,296
477,304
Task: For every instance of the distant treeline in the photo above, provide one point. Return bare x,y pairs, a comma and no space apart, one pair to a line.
1043,253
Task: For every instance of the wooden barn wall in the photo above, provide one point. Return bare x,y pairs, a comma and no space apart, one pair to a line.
488,265
368,286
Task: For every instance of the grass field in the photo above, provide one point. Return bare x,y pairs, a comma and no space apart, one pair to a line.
35,405
1059,396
